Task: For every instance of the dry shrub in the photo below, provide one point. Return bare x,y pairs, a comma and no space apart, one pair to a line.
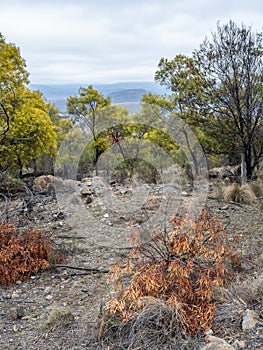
178,270
23,254
157,326
250,290
239,194
257,187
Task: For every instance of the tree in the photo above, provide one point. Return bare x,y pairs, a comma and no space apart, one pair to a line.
111,128
31,132
86,106
182,77
231,64
26,131
13,76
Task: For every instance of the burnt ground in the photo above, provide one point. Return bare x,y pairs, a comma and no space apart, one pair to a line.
60,307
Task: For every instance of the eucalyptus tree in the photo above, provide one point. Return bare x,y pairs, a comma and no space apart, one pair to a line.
86,106
232,66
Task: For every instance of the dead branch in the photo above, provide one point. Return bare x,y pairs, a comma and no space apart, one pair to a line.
90,270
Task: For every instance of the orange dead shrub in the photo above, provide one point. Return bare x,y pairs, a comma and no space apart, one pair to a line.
22,254
181,268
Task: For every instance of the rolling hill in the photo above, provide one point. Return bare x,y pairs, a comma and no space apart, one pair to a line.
128,94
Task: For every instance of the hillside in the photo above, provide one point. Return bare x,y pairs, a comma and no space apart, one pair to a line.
126,93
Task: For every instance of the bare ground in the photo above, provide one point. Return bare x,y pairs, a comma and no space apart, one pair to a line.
59,308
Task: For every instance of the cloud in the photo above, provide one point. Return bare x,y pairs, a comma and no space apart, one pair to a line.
109,41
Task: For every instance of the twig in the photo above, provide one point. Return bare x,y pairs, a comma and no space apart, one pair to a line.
91,270
72,237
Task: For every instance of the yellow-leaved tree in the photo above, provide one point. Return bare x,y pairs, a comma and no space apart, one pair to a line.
31,132
26,130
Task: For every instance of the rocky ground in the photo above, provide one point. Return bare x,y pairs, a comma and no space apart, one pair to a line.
60,308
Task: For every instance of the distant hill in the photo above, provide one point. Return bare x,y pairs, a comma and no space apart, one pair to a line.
127,94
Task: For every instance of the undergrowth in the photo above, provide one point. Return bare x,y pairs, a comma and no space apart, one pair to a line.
175,273
23,254
239,194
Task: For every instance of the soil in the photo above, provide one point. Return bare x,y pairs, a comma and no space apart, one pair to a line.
60,307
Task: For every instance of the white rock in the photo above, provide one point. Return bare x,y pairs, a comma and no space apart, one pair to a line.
185,194
250,319
239,344
15,295
216,343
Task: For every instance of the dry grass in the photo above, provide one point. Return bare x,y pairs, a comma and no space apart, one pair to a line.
239,194
257,187
58,318
250,290
156,326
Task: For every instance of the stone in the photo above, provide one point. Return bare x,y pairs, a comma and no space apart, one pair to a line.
239,344
86,192
88,200
250,319
87,181
43,181
17,313
15,294
185,194
215,343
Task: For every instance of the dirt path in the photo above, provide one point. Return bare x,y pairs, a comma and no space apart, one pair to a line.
61,307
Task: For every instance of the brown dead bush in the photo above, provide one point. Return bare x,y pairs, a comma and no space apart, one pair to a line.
178,270
24,254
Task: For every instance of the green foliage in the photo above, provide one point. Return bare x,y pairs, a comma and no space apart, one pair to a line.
86,107
13,72
135,169
31,133
26,130
70,150
232,66
63,128
53,113
218,92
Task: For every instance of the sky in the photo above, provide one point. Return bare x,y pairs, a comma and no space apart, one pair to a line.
109,41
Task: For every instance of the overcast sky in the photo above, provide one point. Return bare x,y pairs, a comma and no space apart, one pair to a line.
107,41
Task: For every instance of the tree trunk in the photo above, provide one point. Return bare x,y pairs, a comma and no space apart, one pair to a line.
97,155
243,170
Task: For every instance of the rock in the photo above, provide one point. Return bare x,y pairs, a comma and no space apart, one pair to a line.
216,343
85,192
224,172
239,344
43,181
223,208
88,200
17,313
87,181
185,194
15,295
49,297
250,319
15,328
